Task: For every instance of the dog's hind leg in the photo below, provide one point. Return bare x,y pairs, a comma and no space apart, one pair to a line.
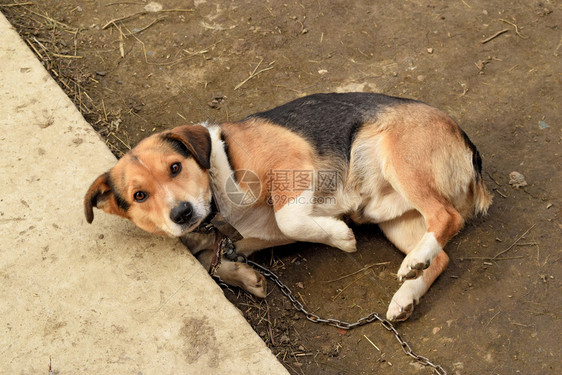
405,232
443,222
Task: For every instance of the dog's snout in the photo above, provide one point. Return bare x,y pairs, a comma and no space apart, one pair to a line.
181,214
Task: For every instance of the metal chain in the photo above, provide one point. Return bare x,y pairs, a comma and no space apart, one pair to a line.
345,325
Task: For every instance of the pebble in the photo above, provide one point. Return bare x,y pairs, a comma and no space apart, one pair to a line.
153,7
517,180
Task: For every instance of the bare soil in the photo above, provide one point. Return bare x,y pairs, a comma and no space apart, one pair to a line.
493,65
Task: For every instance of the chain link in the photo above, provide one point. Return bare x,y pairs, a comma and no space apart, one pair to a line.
346,325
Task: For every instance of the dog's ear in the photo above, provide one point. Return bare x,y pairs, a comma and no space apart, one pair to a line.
192,140
102,196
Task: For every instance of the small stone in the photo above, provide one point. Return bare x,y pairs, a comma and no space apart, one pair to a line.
543,125
153,7
430,50
322,72
517,180
421,78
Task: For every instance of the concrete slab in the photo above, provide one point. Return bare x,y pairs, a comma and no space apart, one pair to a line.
104,298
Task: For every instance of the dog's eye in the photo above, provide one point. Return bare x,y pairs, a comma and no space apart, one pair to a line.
175,169
140,196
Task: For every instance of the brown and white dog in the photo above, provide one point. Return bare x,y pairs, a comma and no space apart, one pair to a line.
294,173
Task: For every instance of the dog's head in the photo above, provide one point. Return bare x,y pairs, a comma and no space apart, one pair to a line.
161,185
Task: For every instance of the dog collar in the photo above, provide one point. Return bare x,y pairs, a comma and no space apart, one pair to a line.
225,236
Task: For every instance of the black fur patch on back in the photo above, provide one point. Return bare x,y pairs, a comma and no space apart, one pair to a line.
330,121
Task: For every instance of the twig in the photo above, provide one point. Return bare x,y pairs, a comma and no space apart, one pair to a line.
516,28
141,13
125,2
254,73
120,140
121,38
143,47
16,4
493,179
347,286
271,338
492,258
146,27
500,193
302,299
555,53
64,26
65,56
527,244
490,321
372,343
104,111
356,272
494,36
112,22
34,49
513,244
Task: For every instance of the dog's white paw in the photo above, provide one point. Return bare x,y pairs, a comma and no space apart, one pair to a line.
401,306
345,240
412,267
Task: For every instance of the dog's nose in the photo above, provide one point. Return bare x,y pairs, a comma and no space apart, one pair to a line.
181,214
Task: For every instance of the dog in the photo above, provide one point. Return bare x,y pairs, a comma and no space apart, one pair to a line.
298,172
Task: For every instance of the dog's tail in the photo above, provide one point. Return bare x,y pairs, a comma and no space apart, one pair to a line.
482,197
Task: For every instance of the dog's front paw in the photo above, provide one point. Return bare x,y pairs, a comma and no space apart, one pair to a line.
402,305
412,268
399,313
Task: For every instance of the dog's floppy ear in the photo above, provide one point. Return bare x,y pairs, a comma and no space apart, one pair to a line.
192,140
102,196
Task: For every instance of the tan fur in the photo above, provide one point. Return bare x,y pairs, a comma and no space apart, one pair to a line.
258,137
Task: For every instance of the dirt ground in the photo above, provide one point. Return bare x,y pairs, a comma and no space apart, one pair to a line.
492,65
